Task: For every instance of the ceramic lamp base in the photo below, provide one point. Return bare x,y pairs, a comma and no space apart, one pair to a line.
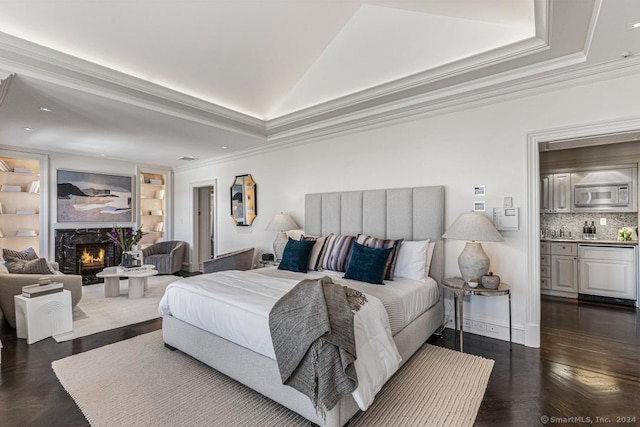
473,262
279,244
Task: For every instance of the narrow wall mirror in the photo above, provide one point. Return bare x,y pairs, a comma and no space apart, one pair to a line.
244,206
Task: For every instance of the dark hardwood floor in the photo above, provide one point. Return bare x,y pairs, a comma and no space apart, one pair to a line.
587,369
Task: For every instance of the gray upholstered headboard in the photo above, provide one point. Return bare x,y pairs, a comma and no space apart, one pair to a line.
399,213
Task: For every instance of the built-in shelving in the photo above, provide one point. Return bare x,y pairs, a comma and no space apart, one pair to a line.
153,207
20,203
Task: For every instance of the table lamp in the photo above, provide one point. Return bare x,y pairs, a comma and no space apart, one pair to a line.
474,228
281,222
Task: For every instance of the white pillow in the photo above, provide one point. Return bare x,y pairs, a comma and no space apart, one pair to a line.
412,259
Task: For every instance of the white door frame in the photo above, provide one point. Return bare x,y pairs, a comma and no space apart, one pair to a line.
532,319
194,261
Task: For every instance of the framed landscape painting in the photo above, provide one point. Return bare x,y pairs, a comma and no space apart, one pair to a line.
94,197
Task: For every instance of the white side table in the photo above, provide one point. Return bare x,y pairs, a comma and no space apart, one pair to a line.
38,318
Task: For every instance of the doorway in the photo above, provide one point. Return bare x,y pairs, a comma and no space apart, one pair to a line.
204,223
592,134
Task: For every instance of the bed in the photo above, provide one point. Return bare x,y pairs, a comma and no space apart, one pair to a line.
413,214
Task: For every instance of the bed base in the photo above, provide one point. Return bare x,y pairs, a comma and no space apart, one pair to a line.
261,373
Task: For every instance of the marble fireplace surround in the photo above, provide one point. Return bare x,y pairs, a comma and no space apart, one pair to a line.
66,242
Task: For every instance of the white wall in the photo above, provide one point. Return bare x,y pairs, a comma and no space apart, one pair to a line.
483,145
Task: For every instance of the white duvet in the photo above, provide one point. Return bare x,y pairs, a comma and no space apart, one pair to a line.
235,305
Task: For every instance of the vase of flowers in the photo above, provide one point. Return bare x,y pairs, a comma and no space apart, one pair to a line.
126,239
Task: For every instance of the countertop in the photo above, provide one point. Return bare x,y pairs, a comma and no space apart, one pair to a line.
593,242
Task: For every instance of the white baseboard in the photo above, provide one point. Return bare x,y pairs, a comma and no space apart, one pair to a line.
489,329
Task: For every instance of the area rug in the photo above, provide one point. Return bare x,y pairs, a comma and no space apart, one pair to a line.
96,313
138,382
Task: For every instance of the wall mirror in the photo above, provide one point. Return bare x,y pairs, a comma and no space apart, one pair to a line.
244,206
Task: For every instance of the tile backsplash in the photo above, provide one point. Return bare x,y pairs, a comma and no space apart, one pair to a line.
573,222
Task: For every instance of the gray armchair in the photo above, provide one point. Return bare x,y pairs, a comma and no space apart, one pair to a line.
237,260
165,256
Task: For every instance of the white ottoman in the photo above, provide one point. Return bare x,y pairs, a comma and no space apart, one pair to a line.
38,318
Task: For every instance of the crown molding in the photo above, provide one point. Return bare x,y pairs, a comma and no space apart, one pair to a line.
33,60
461,99
5,81
409,86
458,98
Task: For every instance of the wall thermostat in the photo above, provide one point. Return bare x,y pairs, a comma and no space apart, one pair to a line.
505,219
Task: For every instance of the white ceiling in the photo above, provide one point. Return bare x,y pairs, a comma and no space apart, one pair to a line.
162,79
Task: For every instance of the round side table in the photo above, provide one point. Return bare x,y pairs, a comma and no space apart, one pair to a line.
460,288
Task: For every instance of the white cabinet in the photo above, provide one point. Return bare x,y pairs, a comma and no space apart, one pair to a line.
559,269
564,273
608,271
555,193
546,193
562,192
545,265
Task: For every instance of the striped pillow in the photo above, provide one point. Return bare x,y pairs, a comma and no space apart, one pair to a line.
25,255
32,266
316,253
336,253
394,244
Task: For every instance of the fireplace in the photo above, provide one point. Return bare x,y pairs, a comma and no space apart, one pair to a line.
86,251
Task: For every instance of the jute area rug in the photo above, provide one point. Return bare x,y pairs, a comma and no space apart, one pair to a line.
96,313
138,382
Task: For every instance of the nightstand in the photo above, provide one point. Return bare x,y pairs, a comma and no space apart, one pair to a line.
460,289
264,263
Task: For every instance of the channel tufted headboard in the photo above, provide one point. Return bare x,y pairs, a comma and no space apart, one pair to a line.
399,213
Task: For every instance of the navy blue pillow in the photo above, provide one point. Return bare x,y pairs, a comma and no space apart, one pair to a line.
367,264
296,255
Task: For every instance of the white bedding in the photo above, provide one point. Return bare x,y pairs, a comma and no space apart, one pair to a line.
235,305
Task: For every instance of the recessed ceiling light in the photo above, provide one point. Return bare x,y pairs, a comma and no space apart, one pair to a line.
45,109
634,25
28,129
188,158
224,147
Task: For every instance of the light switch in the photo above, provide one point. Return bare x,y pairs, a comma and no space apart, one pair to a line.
603,221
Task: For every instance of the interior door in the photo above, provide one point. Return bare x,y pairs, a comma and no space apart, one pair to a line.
205,223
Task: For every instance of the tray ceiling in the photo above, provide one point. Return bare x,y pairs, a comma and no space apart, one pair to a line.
194,77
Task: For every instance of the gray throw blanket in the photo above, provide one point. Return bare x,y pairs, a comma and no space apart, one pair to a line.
313,338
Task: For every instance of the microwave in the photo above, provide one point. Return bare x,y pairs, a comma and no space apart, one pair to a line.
602,196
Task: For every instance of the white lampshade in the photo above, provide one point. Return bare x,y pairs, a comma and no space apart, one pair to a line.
281,222
473,227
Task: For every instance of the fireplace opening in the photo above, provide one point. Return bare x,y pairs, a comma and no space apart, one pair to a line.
93,258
